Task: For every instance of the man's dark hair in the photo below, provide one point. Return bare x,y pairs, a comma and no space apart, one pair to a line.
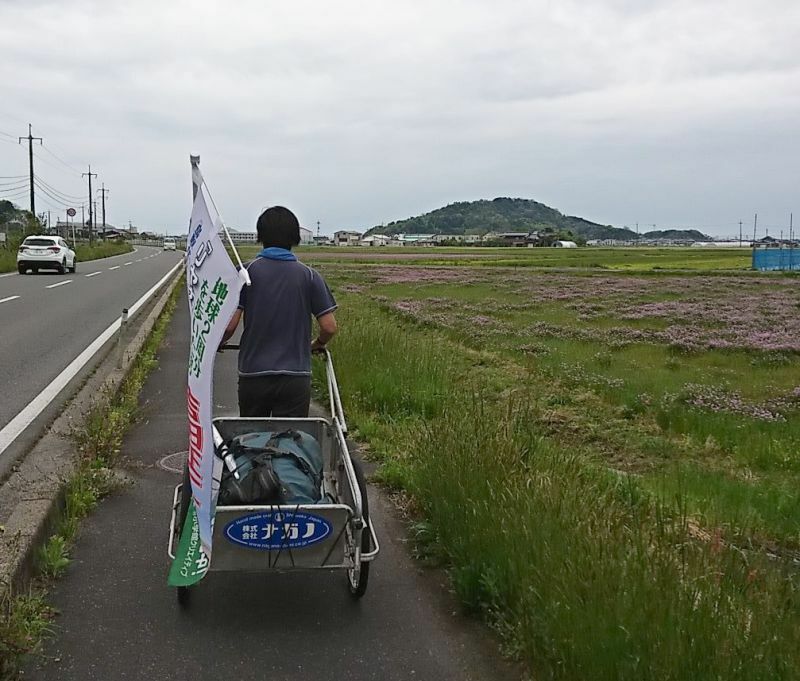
278,226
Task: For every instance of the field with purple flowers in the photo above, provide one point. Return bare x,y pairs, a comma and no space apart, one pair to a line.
606,461
707,363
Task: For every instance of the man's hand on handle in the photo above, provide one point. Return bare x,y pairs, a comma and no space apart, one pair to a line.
327,330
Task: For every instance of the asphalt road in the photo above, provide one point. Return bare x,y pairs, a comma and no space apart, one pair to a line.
47,319
119,619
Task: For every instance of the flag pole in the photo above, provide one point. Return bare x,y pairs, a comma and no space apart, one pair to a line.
197,182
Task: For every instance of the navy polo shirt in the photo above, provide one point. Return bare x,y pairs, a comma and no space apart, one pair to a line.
278,307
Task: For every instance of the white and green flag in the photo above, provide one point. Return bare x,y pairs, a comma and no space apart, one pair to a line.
213,284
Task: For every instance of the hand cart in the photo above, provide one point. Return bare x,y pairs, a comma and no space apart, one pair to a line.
264,538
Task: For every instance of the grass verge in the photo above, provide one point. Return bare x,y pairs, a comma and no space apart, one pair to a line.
102,249
26,618
584,572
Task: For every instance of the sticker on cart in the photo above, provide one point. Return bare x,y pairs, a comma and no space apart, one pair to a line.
278,530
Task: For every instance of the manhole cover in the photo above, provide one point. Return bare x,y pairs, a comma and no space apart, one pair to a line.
174,463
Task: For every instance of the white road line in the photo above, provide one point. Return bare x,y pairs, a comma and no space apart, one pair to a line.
60,283
5,300
116,267
93,274
37,405
127,263
10,274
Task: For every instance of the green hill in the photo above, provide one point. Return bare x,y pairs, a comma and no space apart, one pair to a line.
503,215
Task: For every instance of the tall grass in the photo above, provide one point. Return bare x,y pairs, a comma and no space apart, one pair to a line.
585,574
588,577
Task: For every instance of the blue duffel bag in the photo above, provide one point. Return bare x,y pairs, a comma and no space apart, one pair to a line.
274,468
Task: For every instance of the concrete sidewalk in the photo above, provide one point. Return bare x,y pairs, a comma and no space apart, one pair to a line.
119,620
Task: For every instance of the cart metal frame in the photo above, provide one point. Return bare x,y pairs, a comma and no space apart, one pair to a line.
342,535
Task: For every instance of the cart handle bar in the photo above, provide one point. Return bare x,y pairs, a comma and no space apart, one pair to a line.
335,398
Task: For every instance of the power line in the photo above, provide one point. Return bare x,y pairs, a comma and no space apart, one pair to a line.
21,182
56,206
74,197
8,115
60,160
12,177
14,197
55,198
47,162
24,190
59,149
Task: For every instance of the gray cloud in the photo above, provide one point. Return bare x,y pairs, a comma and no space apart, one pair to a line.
673,112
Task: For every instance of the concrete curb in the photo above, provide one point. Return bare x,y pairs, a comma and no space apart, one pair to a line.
34,492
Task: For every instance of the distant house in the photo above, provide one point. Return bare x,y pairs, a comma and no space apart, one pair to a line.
346,238
564,244
113,233
322,240
513,238
457,238
766,242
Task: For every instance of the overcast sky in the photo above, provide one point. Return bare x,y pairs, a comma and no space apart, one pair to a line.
679,113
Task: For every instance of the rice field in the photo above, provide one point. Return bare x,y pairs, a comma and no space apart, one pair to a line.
605,460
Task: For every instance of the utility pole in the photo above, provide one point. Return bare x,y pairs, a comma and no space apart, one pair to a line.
31,139
90,174
103,193
317,228
755,229
740,233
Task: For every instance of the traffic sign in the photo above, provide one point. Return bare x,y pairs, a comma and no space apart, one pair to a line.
71,212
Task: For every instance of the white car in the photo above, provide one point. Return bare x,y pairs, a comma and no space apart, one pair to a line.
45,253
169,244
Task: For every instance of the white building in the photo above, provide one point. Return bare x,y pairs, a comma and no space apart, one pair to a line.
416,239
565,244
376,240
239,237
306,237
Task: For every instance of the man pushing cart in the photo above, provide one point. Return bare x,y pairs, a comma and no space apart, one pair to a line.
272,489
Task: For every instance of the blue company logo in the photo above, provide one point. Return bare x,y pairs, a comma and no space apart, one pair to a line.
276,530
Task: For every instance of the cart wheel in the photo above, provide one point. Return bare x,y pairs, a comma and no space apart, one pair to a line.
357,578
183,596
183,511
